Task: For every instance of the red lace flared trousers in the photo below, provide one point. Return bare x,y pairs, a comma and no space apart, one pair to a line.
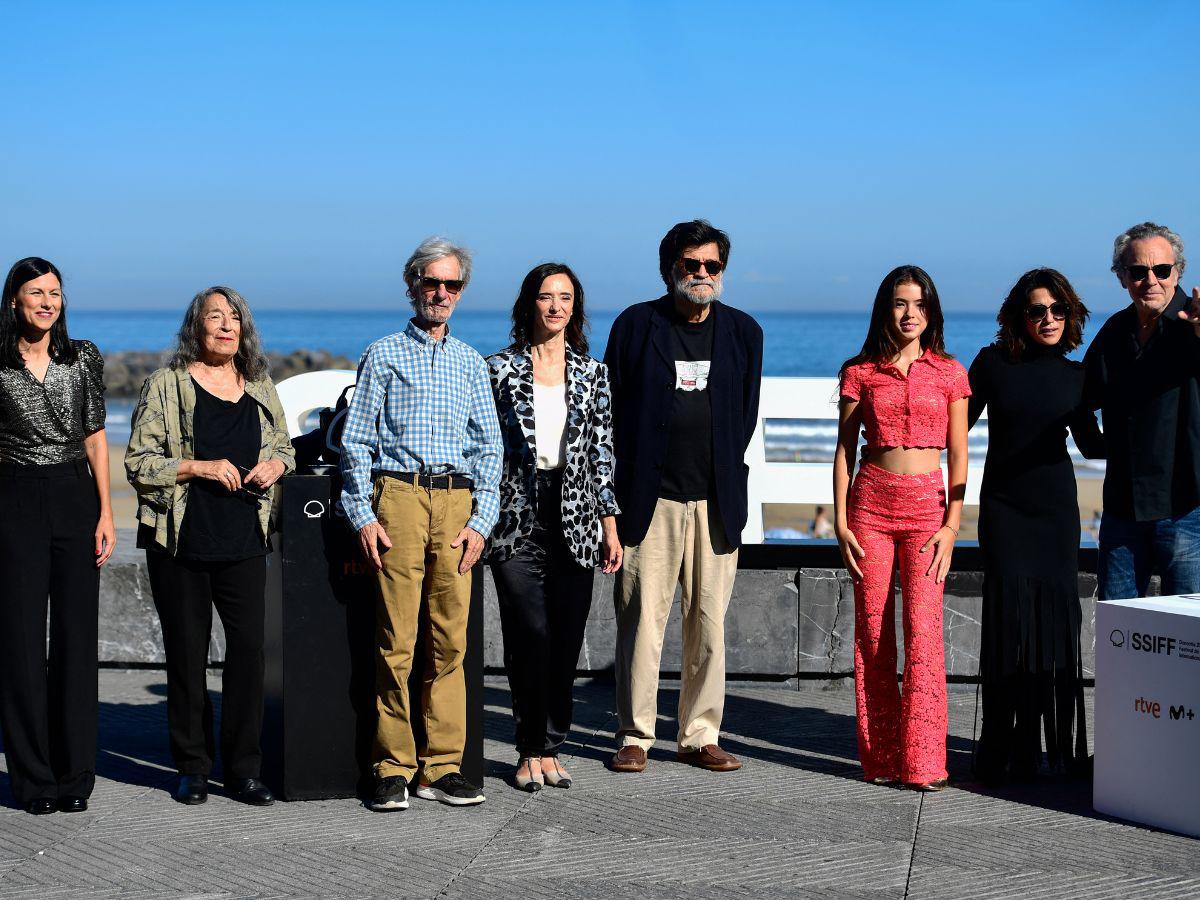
901,736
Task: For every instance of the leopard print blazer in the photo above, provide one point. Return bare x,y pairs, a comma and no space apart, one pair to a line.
587,493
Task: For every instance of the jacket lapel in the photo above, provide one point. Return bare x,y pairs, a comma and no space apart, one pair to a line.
577,401
523,397
660,332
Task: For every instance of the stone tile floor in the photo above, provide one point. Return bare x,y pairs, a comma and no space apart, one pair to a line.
795,822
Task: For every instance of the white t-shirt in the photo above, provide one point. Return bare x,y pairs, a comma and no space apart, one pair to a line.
550,419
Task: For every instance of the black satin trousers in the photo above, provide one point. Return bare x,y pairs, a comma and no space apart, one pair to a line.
544,597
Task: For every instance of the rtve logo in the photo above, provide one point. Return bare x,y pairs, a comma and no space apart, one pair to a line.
1153,709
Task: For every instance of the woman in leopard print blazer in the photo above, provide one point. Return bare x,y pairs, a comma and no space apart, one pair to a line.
557,509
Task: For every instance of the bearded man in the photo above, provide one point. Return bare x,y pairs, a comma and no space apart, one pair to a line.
421,486
685,372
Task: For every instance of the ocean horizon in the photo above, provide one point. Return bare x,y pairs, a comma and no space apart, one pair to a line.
796,345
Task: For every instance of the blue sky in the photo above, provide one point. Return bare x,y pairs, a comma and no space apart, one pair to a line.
298,151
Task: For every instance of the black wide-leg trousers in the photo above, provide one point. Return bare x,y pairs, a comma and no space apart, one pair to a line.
544,597
185,592
48,703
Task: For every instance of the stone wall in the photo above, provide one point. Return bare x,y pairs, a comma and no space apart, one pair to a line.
782,623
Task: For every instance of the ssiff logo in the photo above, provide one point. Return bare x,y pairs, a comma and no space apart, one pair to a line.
1117,637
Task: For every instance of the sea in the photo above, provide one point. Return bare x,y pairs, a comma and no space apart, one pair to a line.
796,344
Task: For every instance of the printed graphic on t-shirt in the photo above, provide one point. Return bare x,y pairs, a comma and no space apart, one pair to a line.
691,375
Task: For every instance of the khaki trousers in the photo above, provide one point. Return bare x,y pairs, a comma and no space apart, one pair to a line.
685,545
420,581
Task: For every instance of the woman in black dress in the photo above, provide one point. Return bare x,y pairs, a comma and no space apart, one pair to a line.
1030,663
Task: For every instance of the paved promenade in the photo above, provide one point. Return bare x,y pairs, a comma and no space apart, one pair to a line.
796,822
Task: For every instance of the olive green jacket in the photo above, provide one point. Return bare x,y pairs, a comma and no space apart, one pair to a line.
161,438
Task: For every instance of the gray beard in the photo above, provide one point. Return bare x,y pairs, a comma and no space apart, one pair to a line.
682,291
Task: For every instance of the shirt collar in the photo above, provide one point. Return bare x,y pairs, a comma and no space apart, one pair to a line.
926,357
422,337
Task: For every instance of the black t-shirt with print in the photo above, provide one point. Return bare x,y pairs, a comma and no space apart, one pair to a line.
688,468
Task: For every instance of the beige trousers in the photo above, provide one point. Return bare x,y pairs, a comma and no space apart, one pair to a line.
685,545
420,580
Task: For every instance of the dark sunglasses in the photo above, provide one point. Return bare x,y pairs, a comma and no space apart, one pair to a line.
453,285
693,266
1037,311
1139,273
251,492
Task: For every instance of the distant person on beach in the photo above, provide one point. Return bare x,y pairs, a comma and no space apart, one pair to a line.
1030,662
821,528
421,460
208,440
909,397
1142,373
56,531
685,371
558,509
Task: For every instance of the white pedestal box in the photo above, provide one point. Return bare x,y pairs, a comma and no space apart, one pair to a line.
1147,727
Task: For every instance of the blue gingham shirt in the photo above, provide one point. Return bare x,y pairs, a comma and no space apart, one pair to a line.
423,406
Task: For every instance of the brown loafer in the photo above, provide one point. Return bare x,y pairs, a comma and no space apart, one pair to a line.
630,758
710,757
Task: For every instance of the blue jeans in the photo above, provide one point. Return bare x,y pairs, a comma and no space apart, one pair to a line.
1131,551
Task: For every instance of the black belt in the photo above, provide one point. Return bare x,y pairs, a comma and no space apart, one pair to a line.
432,482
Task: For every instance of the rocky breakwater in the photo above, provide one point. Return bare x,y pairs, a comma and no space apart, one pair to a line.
125,371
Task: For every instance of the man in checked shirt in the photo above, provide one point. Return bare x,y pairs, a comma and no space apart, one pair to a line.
421,461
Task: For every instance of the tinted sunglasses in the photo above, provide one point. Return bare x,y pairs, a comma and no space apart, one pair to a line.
453,285
1139,273
251,492
693,266
1037,311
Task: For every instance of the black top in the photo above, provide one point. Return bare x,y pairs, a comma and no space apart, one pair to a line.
641,369
219,524
1150,400
687,473
45,422
1031,403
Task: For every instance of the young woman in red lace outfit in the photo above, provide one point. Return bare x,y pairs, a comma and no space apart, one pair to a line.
909,398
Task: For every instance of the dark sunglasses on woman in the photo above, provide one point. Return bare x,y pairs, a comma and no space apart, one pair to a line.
1035,312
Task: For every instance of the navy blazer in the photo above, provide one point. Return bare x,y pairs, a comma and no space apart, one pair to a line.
641,368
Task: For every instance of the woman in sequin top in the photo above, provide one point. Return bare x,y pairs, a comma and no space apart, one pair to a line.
909,397
56,530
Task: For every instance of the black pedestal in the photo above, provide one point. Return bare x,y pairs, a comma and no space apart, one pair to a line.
319,723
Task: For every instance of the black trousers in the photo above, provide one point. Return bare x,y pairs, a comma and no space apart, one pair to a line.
48,707
185,592
544,597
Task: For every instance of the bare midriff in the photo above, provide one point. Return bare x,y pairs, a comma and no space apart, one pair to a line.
904,460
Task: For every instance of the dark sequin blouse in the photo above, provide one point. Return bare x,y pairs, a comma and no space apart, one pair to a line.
45,422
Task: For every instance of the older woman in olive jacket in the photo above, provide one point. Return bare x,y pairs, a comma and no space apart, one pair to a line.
209,440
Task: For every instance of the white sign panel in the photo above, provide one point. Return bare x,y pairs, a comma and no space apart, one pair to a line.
1148,711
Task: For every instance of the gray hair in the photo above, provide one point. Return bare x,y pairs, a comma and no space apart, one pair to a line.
1140,233
429,251
250,360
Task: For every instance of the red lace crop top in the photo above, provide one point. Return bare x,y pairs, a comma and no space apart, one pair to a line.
912,411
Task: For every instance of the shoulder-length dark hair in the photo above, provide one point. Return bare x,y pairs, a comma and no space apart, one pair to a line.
881,345
250,360
1014,337
61,348
524,311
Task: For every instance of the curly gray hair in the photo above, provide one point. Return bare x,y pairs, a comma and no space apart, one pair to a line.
429,251
250,360
1140,233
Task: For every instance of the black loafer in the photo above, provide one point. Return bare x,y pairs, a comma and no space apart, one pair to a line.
252,791
42,806
192,789
72,804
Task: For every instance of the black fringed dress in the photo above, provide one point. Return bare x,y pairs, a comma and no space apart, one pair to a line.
1030,664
